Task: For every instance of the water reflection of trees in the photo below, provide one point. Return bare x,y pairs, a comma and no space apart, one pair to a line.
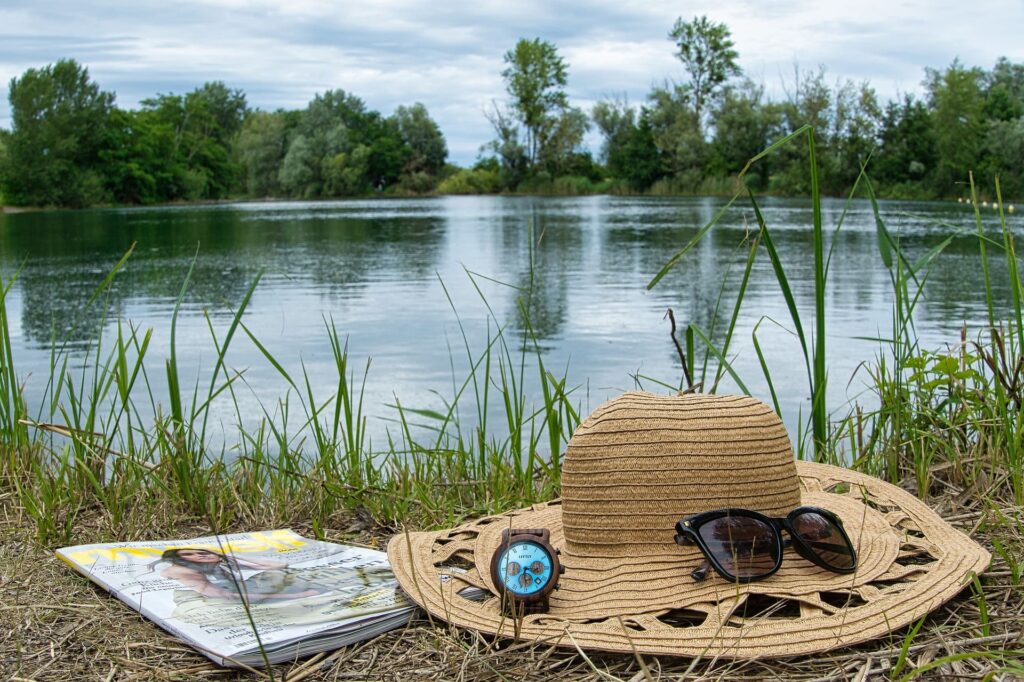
703,286
644,243
859,294
553,231
606,244
955,292
63,258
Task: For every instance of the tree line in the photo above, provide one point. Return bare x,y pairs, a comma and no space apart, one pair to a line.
693,136
71,145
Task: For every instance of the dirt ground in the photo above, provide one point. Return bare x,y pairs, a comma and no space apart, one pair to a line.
56,625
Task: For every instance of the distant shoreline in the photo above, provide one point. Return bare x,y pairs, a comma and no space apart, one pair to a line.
21,209
11,210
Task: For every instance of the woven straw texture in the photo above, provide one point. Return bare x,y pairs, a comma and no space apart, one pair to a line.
631,470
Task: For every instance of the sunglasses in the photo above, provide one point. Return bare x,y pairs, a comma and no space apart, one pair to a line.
743,545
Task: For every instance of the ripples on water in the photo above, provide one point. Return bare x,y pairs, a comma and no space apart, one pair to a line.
383,270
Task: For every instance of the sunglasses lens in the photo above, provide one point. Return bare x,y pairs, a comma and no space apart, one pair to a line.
743,546
821,535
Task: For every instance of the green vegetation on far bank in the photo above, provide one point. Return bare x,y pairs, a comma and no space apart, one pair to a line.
70,145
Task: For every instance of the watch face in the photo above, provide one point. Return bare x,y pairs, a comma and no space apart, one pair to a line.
525,568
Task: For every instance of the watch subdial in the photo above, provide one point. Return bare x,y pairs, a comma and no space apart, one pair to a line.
536,568
525,579
513,568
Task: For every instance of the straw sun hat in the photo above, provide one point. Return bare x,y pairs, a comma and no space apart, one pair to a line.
637,465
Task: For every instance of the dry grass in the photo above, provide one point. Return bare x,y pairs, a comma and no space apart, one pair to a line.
55,625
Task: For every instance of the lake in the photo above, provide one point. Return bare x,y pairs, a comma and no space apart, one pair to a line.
399,276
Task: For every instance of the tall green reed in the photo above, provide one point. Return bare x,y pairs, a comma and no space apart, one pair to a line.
934,411
12,404
105,441
947,415
813,353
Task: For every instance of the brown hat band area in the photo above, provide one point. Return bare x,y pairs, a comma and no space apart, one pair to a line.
640,462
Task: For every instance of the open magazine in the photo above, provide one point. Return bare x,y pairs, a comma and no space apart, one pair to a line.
303,595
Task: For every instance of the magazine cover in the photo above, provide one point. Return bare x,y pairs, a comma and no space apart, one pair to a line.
230,596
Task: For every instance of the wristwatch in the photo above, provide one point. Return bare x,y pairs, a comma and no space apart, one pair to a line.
525,569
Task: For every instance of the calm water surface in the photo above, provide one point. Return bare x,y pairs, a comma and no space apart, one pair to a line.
384,270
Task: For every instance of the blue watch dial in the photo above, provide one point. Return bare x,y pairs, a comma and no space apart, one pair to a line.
525,568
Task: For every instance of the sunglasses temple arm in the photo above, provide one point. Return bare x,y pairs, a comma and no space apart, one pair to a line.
698,574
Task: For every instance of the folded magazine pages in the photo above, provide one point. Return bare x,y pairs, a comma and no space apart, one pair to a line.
230,596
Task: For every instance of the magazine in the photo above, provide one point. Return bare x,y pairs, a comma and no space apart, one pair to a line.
302,595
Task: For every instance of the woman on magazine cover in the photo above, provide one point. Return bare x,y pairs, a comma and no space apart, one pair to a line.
213,574
293,594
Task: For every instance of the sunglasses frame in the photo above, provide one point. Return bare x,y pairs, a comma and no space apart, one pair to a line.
687,534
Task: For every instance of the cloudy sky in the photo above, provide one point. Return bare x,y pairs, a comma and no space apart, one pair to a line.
448,55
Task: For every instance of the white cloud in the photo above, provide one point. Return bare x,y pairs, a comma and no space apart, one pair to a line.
448,55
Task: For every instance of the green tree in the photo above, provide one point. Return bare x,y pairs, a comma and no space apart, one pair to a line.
638,160
1005,147
810,102
743,125
535,77
907,156
335,114
332,124
677,134
388,152
706,50
1004,91
854,136
201,127
483,178
616,120
1004,137
261,147
956,99
300,169
508,148
347,173
423,137
629,149
342,148
4,136
562,153
135,160
59,118
223,109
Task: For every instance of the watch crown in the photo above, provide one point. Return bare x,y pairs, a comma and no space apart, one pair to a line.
561,570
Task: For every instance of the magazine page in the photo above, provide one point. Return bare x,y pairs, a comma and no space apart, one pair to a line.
210,591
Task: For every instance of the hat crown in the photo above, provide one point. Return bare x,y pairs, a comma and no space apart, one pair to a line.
640,462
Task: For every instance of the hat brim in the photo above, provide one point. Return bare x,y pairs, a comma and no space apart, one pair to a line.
909,562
